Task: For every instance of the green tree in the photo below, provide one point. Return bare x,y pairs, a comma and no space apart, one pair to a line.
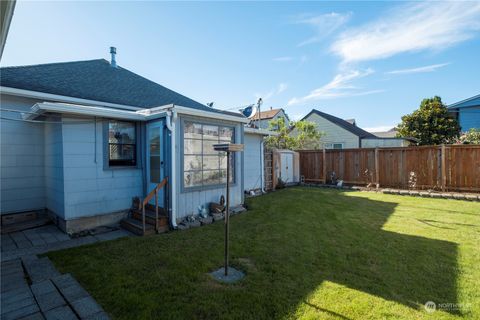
307,137
282,140
431,124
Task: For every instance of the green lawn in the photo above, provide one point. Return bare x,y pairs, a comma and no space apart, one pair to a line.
308,253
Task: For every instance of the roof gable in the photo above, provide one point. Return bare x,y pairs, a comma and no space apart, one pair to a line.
341,123
269,114
95,80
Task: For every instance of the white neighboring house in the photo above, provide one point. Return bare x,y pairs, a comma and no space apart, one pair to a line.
344,134
267,116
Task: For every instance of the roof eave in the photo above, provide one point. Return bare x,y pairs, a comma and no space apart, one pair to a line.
81,110
457,104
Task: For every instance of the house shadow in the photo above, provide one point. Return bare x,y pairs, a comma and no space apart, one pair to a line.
340,239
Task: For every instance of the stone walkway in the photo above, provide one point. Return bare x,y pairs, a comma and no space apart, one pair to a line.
48,238
32,288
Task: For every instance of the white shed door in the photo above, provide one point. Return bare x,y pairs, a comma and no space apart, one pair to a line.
287,167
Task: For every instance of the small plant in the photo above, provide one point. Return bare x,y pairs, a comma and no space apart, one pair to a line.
280,184
472,136
333,178
412,180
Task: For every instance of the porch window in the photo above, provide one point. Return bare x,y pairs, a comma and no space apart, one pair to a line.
122,144
203,166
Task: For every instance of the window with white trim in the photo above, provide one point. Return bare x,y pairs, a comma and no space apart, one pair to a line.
202,165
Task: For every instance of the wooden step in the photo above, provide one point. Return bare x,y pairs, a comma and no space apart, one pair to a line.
40,220
150,217
136,227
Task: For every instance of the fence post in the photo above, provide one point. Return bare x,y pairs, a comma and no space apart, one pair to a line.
444,169
324,169
377,169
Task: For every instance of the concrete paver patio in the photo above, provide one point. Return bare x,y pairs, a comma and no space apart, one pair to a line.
32,288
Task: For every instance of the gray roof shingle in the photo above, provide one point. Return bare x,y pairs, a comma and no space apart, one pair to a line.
96,80
342,123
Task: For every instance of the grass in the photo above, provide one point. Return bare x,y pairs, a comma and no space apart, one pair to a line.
308,253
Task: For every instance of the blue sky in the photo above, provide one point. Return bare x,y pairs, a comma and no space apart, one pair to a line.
372,61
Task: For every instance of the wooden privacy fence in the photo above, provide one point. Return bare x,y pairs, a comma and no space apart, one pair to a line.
446,167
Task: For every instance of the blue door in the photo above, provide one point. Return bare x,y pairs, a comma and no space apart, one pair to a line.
155,159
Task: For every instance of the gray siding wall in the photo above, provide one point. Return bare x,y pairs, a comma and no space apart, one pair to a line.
374,143
54,186
21,159
90,189
332,132
187,200
253,170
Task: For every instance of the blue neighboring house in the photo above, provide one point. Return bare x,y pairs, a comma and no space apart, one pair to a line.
81,139
467,112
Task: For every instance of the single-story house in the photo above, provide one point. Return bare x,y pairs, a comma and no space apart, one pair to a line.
262,119
343,134
467,112
81,139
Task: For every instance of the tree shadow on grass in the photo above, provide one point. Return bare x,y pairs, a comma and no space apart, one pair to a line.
339,238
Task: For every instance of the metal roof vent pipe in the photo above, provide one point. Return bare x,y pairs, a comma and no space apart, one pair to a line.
113,52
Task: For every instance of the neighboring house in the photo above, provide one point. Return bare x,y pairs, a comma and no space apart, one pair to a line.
83,138
387,139
467,113
262,120
343,134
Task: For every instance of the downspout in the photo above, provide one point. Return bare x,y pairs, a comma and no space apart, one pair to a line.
262,163
171,120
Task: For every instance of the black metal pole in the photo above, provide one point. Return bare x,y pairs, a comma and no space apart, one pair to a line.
227,214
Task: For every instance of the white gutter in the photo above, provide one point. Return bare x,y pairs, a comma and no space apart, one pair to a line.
171,121
40,108
59,98
198,113
262,168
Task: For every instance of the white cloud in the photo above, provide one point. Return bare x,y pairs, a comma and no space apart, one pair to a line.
410,28
430,68
323,25
283,59
282,87
276,91
340,86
